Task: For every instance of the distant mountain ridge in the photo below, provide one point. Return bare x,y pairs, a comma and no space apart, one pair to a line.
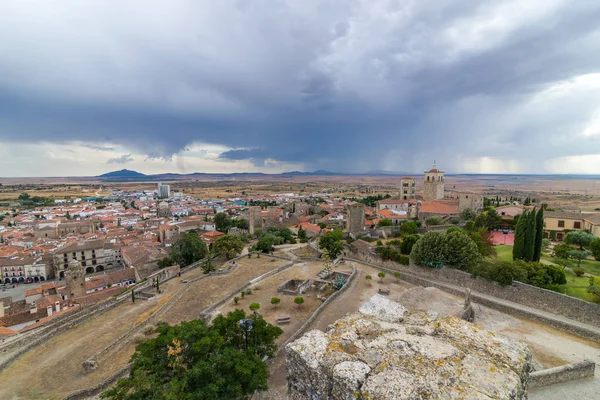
127,174
124,173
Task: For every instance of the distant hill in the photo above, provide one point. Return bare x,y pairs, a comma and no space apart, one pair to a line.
124,173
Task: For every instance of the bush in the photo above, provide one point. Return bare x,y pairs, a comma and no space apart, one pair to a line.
409,228
503,272
579,272
368,278
299,300
254,306
149,329
275,300
433,221
138,338
381,275
236,300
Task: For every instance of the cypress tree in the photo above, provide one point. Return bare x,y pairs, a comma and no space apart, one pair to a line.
529,237
539,234
518,247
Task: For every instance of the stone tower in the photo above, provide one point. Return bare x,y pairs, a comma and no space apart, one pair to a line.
75,277
433,185
408,188
356,217
254,219
470,200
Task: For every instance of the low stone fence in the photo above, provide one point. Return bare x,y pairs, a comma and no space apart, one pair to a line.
317,312
527,295
95,390
564,373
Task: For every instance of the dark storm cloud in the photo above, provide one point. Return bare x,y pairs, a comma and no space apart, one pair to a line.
344,85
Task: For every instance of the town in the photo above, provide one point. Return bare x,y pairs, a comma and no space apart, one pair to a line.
86,279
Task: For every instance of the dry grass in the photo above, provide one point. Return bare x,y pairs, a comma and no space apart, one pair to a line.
148,313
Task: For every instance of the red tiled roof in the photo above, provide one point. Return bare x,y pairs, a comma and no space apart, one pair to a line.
436,207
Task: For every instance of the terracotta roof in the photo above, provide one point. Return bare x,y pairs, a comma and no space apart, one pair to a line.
436,207
565,215
6,331
390,214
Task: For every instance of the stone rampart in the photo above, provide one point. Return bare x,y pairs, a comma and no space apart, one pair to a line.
521,293
564,373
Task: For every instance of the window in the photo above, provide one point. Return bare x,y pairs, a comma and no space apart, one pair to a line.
561,224
576,225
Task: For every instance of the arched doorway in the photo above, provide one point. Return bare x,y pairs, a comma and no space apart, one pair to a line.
99,268
21,279
14,280
89,270
36,279
42,279
6,280
61,275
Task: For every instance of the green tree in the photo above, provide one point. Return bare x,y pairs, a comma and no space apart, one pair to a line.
368,278
301,233
299,300
594,247
433,221
209,265
562,250
430,248
488,220
188,249
195,361
385,222
461,252
409,228
132,296
266,243
484,242
519,243
275,300
332,241
397,276
407,243
580,238
467,215
254,306
229,246
539,235
594,287
381,275
165,262
222,221
579,255
240,223
530,230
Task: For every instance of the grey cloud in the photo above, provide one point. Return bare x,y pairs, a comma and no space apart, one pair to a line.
347,85
124,159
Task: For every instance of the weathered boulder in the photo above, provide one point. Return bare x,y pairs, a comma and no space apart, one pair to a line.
406,355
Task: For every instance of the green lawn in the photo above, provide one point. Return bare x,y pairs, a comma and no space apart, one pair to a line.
589,266
576,287
504,252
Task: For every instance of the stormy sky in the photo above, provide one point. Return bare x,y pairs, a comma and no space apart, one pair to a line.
277,85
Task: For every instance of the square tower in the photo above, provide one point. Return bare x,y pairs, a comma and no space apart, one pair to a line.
433,185
356,217
408,188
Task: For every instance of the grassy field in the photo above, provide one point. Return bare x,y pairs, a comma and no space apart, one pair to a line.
589,266
576,287
504,252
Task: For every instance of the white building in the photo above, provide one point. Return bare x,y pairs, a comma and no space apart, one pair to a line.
164,191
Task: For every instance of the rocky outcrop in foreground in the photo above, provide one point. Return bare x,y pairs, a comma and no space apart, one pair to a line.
388,352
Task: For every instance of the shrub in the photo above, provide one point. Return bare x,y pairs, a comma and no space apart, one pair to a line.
381,275
254,306
149,329
397,275
275,300
138,338
299,300
368,278
236,300
433,221
407,244
579,272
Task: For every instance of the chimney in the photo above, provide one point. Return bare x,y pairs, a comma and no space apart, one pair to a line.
57,306
49,309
